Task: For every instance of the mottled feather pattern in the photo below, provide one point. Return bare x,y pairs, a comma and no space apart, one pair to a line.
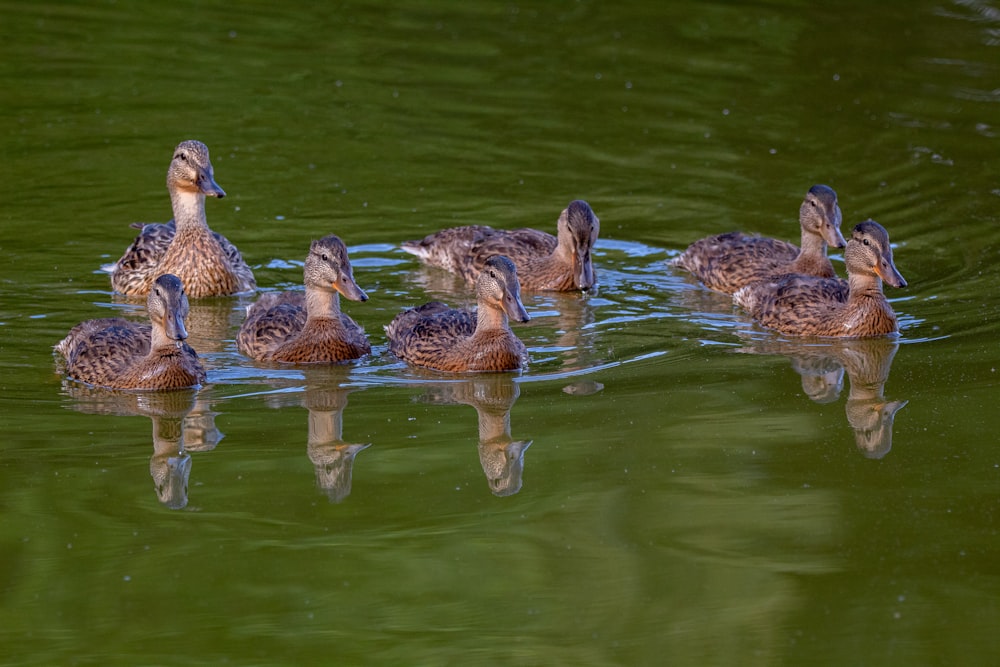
444,339
198,259
810,306
114,353
451,249
727,262
531,250
542,264
308,327
458,340
206,262
790,292
276,330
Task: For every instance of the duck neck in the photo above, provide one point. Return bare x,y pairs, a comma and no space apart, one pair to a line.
812,245
862,286
322,303
189,210
488,318
159,340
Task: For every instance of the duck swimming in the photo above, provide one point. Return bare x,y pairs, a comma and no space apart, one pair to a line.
308,328
119,354
727,262
560,263
435,336
206,262
810,306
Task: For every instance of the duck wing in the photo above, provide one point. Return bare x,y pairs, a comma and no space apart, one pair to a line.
792,298
272,320
451,249
727,262
427,335
244,275
518,244
142,257
97,351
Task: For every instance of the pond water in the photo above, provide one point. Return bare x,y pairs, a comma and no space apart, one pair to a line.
664,484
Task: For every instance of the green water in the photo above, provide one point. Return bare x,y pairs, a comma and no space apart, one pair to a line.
695,492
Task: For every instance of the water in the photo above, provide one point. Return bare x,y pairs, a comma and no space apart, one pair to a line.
665,483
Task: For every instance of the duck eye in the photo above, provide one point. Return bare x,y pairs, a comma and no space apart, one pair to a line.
866,242
493,274
326,258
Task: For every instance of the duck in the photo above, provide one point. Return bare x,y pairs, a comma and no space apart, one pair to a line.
206,261
308,327
457,340
811,306
560,263
727,262
120,354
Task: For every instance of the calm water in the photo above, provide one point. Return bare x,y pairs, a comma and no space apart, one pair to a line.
665,484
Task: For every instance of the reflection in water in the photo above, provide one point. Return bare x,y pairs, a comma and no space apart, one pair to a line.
493,396
177,418
867,362
871,416
326,398
572,323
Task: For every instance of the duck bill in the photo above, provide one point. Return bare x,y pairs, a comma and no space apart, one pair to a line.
514,308
583,274
833,237
208,186
346,286
831,230
174,327
887,271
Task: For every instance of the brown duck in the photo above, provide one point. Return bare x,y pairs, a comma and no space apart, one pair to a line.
119,354
435,336
308,328
729,261
809,306
206,262
560,263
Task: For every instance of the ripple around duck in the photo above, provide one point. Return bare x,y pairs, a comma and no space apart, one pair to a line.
641,310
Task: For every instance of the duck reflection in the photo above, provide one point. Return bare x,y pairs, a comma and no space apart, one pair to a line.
866,362
325,398
493,396
178,418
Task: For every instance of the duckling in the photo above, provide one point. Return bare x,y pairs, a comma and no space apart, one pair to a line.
544,262
437,337
207,263
308,328
119,354
810,306
729,261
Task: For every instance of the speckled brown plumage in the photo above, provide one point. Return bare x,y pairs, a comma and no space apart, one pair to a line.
544,262
206,262
119,354
729,261
809,306
309,327
435,336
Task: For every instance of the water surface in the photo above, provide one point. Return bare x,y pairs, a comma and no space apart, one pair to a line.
665,482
